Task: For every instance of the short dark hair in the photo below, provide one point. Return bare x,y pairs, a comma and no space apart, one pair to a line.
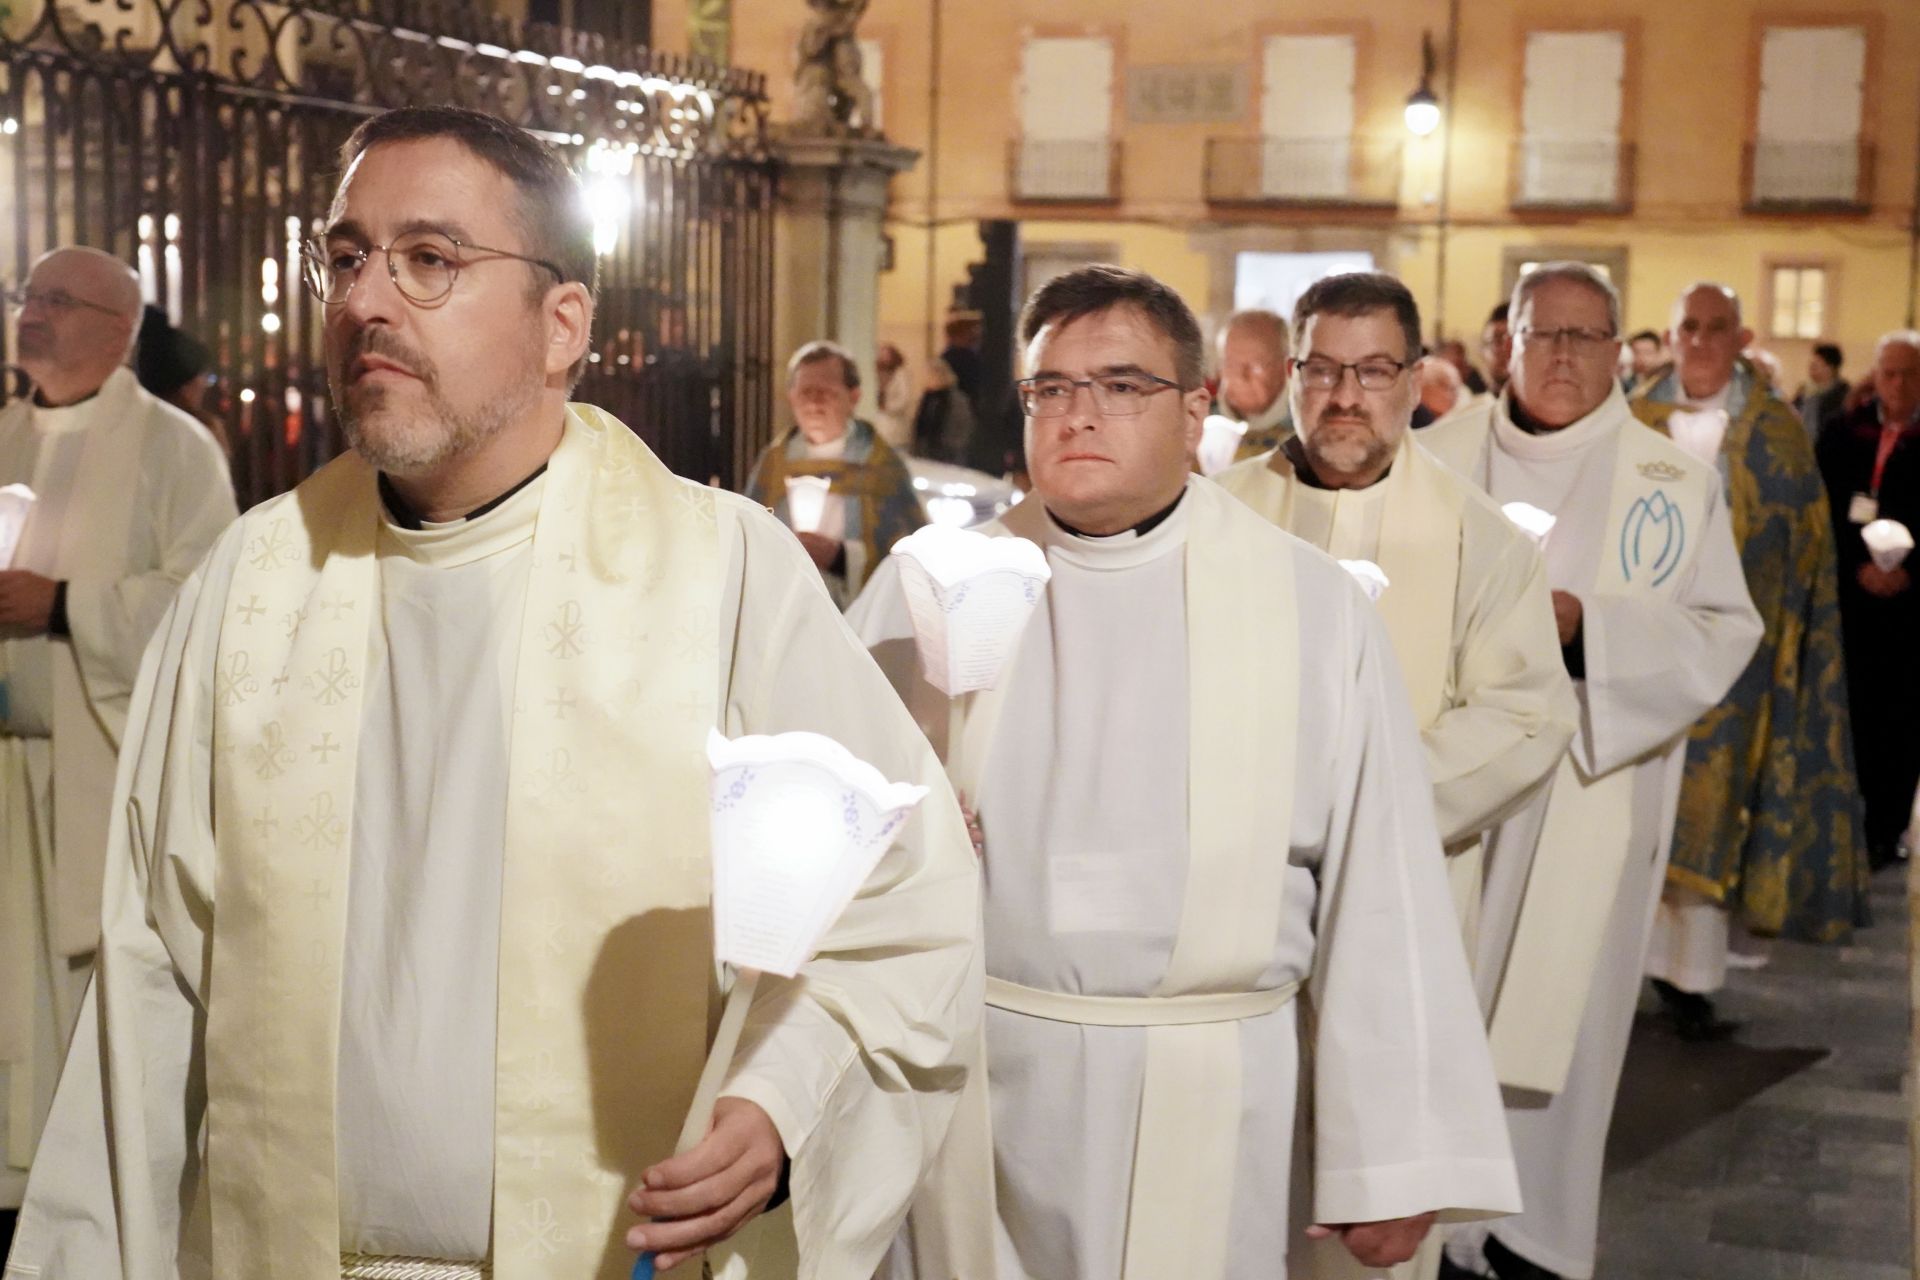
1830,352
1499,314
1102,287
1359,293
553,219
1645,335
817,351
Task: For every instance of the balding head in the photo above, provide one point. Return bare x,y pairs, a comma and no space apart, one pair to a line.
78,325
1707,337
1896,375
1441,386
1253,362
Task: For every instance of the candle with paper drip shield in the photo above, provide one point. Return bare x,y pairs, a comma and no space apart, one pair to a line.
1888,542
16,504
1220,438
969,597
807,502
1533,522
798,824
1371,577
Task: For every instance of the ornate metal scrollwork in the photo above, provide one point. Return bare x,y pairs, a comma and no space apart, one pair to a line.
572,86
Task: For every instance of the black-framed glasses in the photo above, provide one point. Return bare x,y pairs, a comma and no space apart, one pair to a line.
1115,395
1584,342
56,300
1322,374
423,266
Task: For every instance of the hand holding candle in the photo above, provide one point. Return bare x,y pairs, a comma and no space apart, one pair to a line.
799,823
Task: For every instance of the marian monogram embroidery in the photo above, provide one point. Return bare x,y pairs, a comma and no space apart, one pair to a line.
1652,539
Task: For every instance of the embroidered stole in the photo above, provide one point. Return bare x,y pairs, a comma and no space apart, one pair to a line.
1656,516
605,954
1243,665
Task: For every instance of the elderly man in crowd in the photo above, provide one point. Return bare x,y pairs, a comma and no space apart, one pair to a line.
129,494
1253,380
1654,625
1769,827
1870,461
831,479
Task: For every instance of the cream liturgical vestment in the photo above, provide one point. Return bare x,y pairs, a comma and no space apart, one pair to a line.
1201,789
130,494
1642,538
1489,690
408,949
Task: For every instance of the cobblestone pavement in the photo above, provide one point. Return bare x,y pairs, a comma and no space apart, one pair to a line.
1782,1153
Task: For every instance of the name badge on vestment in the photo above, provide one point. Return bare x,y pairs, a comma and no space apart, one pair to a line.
1864,509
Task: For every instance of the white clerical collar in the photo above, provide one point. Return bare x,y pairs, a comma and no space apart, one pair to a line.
834,448
1718,400
452,543
1568,440
1124,550
96,408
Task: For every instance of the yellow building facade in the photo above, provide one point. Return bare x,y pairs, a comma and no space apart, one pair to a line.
1770,146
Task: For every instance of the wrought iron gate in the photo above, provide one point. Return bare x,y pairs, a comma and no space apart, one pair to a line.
196,139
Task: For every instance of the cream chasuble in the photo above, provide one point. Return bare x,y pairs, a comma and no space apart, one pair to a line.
1643,539
1489,691
130,495
638,590
1141,918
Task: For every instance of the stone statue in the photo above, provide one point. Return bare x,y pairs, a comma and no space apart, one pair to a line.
830,96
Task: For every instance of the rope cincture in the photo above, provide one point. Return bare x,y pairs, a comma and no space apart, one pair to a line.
368,1266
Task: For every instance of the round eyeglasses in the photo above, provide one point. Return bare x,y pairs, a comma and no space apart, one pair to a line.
423,265
1115,395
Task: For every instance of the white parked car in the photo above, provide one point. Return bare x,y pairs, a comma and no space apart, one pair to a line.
959,496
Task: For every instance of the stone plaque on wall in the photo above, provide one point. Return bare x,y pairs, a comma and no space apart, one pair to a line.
1198,93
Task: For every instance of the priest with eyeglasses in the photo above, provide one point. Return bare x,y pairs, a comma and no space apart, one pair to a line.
1654,624
408,963
1208,842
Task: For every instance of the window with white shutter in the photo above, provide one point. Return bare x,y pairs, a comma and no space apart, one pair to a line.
1812,87
1569,154
1066,118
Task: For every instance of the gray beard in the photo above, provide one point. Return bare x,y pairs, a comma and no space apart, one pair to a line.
451,434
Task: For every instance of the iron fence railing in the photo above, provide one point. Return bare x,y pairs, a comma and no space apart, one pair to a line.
196,138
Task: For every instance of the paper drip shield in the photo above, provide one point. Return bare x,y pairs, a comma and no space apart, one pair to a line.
969,597
798,824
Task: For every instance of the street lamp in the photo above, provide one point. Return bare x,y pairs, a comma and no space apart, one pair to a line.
1423,109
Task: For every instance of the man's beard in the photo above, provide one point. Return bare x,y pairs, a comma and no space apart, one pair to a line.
438,432
1348,453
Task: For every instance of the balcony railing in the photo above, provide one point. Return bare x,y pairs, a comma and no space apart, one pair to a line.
1573,175
1348,172
1076,171
1812,176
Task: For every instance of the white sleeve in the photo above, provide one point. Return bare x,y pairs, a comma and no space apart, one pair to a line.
1407,1115
120,1159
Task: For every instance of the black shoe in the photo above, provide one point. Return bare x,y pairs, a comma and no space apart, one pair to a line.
1694,1018
1508,1265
